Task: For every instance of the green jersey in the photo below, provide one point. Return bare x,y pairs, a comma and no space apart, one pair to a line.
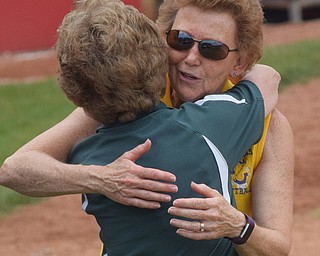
200,142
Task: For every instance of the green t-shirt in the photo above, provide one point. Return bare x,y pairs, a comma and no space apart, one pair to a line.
199,142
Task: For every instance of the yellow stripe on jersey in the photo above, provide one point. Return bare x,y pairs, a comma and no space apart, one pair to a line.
101,250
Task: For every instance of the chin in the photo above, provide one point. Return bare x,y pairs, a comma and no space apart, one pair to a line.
187,95
190,98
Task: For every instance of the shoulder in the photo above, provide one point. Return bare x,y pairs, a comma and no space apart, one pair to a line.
279,124
280,136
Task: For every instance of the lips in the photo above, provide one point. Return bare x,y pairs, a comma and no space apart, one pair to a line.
188,76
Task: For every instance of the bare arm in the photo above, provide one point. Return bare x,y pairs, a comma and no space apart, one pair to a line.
272,193
268,80
272,201
37,169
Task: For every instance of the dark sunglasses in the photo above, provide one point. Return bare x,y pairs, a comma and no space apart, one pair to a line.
211,49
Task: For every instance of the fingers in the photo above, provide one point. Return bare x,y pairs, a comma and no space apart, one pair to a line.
195,235
155,174
140,203
138,151
193,226
194,214
140,198
146,195
204,190
192,229
147,173
219,218
134,185
152,185
199,203
148,190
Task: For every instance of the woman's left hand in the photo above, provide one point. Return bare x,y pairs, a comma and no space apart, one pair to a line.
219,218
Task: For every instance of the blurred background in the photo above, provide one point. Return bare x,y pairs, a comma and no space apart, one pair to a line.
31,24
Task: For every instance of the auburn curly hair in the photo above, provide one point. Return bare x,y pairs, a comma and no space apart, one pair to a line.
112,60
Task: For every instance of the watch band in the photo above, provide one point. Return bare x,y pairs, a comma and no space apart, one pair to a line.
246,231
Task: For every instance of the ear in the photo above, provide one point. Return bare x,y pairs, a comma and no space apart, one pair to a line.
239,69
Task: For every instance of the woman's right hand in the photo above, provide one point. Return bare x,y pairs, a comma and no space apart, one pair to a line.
130,184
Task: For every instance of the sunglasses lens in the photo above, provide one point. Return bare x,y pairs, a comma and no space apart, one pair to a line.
179,40
210,49
213,50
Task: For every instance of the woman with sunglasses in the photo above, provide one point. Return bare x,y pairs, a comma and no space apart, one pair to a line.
208,42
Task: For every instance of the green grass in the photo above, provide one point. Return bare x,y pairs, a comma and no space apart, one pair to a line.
11,200
26,111
297,62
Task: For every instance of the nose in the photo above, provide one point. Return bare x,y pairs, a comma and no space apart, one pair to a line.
193,57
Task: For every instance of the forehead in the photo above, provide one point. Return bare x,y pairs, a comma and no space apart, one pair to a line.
206,24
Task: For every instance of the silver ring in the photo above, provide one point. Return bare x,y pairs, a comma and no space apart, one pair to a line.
201,226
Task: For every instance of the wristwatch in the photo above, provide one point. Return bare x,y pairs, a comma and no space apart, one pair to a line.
246,231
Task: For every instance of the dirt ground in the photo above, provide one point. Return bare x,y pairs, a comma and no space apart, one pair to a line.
58,227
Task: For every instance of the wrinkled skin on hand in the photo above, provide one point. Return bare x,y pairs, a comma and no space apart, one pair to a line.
219,217
133,185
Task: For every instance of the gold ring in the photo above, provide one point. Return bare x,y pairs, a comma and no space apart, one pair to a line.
201,226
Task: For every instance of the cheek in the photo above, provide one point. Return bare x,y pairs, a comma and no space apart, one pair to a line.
175,56
215,79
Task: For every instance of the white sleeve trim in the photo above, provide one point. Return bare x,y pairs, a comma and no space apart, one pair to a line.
85,202
222,167
220,97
